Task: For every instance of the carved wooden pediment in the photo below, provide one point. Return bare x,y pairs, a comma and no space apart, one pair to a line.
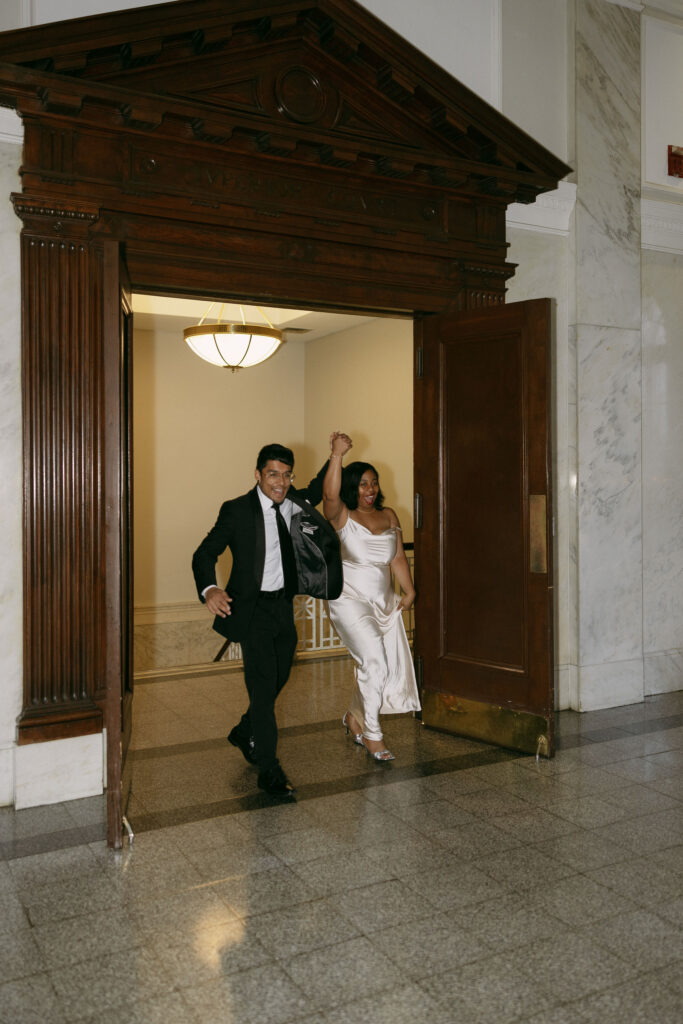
323,81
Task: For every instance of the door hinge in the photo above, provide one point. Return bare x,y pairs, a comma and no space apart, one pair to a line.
419,362
417,510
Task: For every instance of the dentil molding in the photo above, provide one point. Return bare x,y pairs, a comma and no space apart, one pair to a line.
661,225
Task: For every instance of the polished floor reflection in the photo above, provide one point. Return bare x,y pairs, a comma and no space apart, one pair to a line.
457,884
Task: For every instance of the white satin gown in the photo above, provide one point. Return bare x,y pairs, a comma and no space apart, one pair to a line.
369,623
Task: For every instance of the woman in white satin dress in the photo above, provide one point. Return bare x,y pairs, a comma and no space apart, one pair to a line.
367,616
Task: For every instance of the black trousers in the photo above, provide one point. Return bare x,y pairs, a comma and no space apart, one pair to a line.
268,651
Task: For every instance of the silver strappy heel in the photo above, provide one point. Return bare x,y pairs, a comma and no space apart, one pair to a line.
381,755
357,736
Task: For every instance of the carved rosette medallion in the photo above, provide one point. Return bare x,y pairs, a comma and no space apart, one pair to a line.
301,96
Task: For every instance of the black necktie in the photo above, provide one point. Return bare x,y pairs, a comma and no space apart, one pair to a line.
287,554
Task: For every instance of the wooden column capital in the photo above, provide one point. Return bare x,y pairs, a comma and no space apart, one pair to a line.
57,216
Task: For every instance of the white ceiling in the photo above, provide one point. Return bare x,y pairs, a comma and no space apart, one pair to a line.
161,313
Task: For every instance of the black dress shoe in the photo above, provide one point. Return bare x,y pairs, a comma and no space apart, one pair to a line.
245,744
274,782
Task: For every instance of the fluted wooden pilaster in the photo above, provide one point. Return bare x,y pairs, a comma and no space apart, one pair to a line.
63,513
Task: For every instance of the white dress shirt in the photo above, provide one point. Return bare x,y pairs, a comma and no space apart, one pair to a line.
273,576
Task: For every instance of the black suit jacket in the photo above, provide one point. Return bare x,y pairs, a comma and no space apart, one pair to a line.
240,527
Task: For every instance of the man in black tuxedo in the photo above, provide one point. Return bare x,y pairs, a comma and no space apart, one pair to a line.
255,610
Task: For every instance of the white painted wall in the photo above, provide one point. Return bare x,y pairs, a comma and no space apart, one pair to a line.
662,55
361,381
536,77
40,12
463,36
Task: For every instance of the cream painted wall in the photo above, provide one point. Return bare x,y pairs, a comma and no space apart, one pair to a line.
361,381
197,430
185,409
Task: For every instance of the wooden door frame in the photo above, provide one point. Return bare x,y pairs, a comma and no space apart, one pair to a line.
333,164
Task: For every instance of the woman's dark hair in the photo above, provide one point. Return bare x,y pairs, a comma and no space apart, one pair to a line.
276,452
351,477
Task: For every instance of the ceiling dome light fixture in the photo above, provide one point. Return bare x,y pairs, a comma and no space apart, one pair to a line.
233,345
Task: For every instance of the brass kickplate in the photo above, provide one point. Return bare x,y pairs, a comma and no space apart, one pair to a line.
519,730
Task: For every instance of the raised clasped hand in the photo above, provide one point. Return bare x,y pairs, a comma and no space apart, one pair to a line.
340,443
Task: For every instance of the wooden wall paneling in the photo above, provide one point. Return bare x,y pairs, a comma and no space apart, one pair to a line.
61,370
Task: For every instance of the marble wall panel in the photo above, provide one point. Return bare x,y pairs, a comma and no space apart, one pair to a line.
611,684
609,497
662,476
10,470
608,356
6,775
572,504
664,672
608,154
49,773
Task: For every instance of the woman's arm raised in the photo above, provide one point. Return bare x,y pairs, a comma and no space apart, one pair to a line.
333,507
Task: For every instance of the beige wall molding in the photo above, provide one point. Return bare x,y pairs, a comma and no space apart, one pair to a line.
182,611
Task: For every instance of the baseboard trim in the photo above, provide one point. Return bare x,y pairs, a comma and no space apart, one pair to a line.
210,668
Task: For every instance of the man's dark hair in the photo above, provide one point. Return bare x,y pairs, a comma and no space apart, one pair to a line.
351,477
276,452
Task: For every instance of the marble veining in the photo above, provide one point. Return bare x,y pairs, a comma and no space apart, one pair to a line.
609,270
608,149
609,500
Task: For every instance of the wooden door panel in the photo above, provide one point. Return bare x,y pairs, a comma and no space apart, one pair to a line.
483,536
484,617
118,334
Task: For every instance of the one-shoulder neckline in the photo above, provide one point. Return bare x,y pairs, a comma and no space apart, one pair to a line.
368,530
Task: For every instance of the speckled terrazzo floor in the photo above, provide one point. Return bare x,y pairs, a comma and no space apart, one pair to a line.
458,884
